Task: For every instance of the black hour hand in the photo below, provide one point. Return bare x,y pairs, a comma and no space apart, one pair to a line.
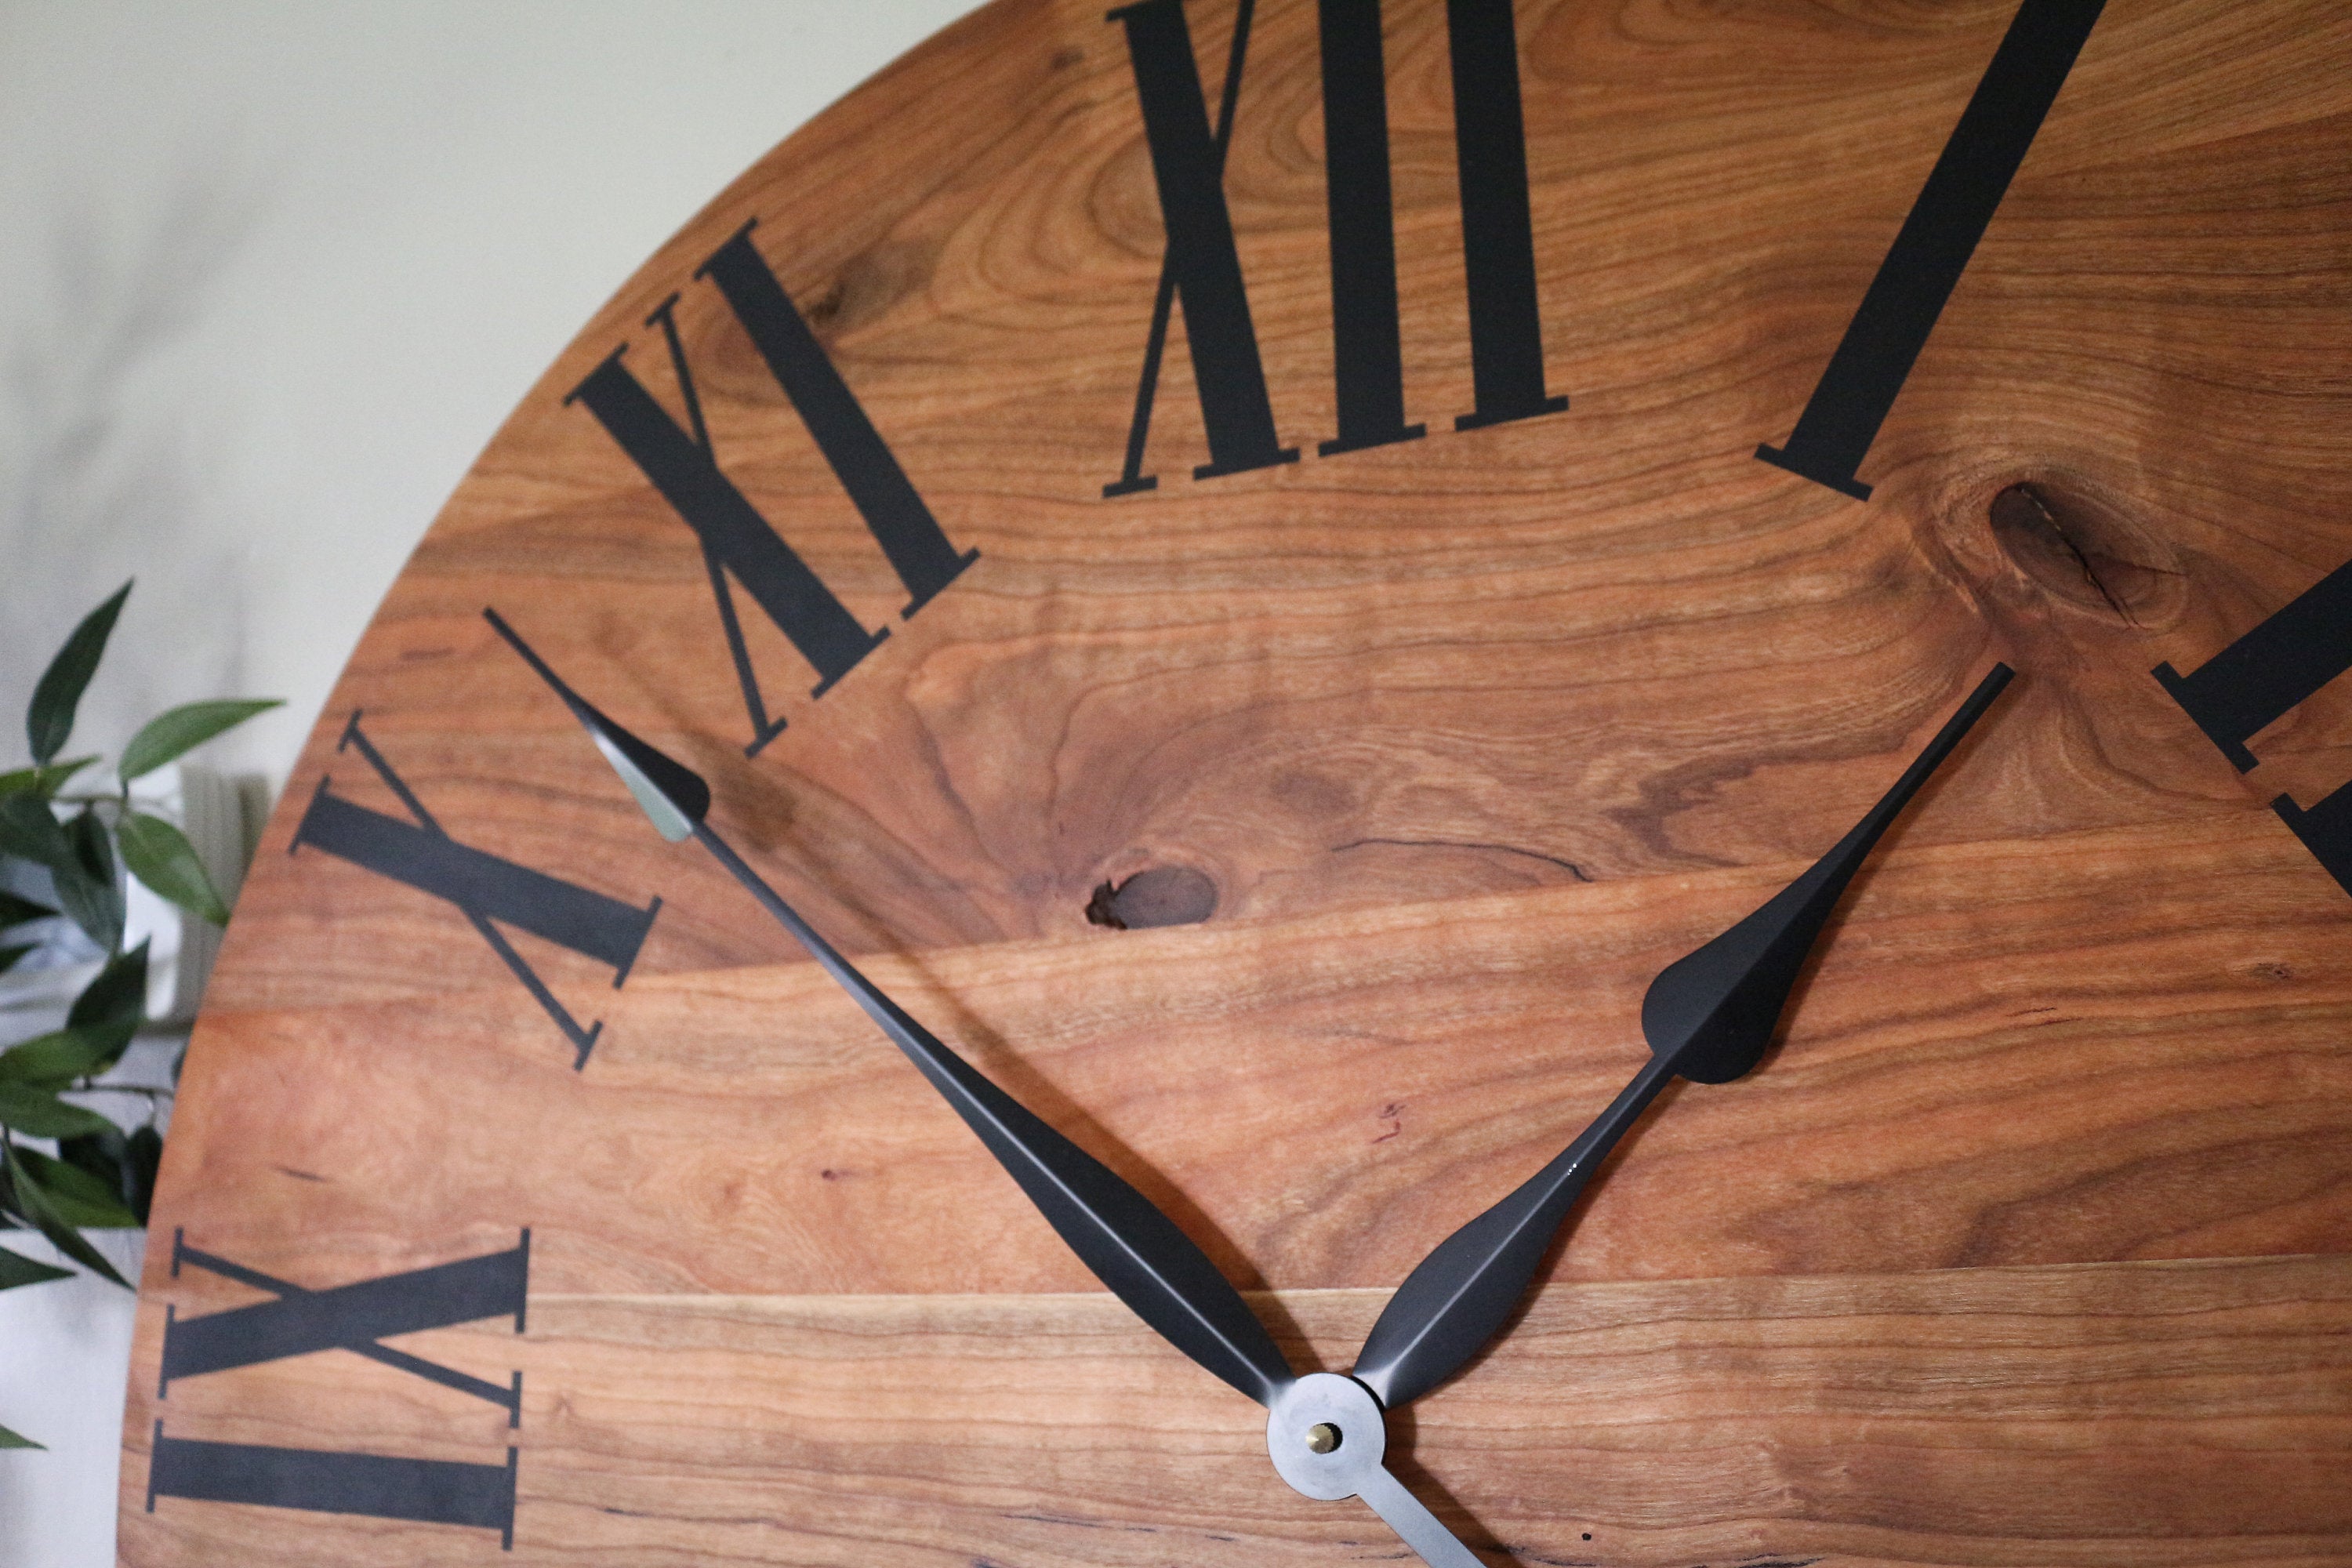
1131,1246
1708,1017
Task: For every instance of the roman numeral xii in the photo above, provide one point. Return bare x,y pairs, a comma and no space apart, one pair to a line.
1200,271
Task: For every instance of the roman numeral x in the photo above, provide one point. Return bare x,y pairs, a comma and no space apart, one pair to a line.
484,888
354,1317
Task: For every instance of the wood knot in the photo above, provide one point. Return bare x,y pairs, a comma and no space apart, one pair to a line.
868,284
1162,896
2079,554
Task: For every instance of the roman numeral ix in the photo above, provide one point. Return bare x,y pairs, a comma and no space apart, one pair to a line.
485,889
358,1318
2252,683
1932,248
1201,270
738,542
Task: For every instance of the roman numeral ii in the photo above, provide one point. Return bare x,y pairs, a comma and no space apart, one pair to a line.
357,1318
737,542
1201,267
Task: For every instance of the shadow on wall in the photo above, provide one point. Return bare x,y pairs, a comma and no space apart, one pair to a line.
110,449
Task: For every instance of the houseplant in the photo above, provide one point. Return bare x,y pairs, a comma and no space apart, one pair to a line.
66,846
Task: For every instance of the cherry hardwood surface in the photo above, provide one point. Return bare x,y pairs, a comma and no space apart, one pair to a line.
2027,1245
2184,1413
1980,1072
1609,639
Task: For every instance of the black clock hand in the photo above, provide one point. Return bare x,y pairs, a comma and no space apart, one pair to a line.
1116,1231
1707,1017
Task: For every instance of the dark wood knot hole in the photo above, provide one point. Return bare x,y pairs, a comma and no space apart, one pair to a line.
2077,552
1162,896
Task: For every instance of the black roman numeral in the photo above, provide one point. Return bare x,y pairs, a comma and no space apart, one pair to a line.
1498,244
484,888
2255,680
1367,344
735,539
429,1491
356,1318
1203,267
1899,310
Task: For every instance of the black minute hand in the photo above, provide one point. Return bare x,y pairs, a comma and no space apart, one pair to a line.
1707,1017
1116,1231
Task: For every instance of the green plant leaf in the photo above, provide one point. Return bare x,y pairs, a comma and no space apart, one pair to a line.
16,910
50,718
78,1197
44,781
115,994
26,1198
88,883
11,1440
124,1163
168,734
15,1269
142,1157
55,1060
101,1154
160,855
39,1113
31,831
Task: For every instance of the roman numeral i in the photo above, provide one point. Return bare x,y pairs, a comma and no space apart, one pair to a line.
738,542
357,1318
1873,360
1201,270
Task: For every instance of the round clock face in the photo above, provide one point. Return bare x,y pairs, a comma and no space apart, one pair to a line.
1263,569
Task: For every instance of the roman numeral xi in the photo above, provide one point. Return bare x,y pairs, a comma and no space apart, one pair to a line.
1201,271
357,1318
739,545
487,891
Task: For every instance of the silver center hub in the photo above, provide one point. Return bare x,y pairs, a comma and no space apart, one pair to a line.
1340,1405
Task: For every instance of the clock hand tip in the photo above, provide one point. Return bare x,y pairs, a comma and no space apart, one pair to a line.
673,796
1714,1010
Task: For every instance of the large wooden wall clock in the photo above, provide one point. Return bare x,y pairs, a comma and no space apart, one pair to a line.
1262,568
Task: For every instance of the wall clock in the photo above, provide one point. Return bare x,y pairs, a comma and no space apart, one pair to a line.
1263,569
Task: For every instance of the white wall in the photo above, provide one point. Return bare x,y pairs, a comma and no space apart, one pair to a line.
271,272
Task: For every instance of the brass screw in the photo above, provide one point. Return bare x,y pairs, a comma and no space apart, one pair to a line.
1322,1437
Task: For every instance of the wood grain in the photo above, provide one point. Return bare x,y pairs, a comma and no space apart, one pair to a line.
2175,1413
2027,1246
1982,1070
1609,639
